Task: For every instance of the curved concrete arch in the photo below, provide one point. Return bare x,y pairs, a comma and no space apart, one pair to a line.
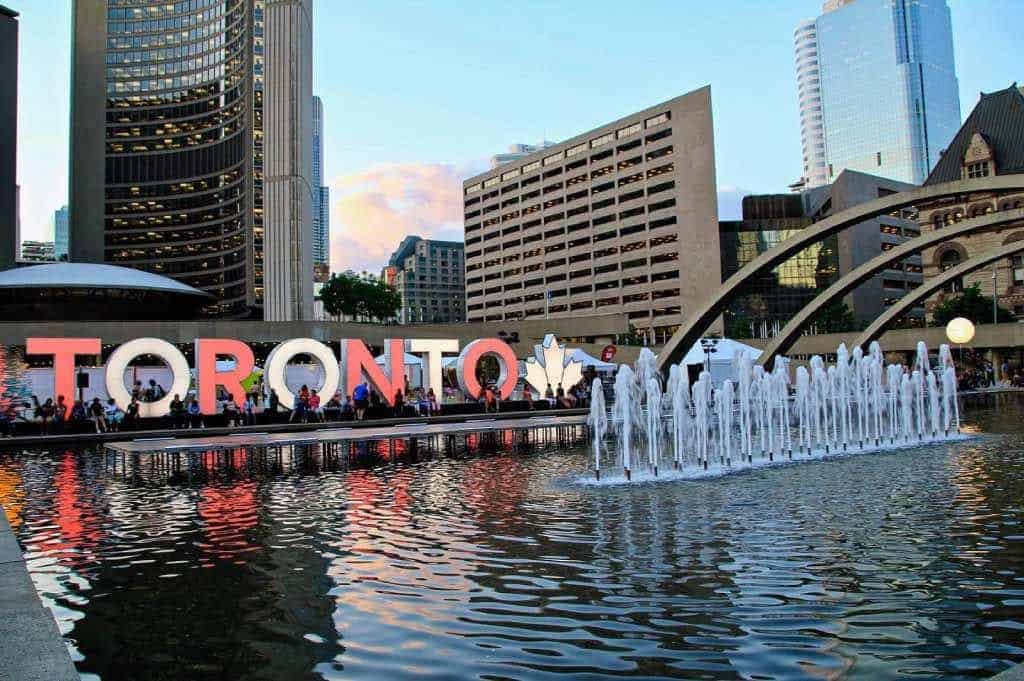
933,286
855,277
710,309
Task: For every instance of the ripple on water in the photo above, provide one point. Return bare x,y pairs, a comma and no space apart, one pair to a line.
882,566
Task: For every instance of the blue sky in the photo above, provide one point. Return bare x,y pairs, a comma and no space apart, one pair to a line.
418,94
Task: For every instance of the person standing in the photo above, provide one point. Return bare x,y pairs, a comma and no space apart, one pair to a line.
361,397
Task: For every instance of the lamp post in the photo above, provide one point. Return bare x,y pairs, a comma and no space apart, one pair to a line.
710,346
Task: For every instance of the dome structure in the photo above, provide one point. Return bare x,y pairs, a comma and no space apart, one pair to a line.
88,291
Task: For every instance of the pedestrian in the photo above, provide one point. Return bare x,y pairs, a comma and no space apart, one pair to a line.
273,402
249,409
361,396
131,417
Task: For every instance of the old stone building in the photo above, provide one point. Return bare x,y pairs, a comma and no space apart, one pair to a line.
989,143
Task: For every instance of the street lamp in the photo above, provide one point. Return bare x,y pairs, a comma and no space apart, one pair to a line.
710,346
960,330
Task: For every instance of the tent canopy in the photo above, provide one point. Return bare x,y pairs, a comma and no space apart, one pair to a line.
725,351
410,360
578,355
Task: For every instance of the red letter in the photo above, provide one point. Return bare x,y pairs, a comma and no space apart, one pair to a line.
508,366
63,351
208,378
356,360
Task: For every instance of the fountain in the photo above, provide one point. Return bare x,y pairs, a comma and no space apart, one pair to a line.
753,419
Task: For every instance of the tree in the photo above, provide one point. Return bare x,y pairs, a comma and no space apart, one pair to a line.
836,318
362,298
973,305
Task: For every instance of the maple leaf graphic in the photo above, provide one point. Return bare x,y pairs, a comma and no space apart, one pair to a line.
548,366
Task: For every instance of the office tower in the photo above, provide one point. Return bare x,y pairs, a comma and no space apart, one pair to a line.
37,251
60,233
518,151
321,200
175,186
620,219
428,275
877,89
288,189
9,214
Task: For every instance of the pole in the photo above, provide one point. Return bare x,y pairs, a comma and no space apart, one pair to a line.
995,296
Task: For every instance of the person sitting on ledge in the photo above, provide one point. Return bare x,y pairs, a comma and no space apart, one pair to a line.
230,411
549,395
78,414
131,418
114,415
177,412
490,400
332,410
314,406
60,414
195,416
97,415
433,407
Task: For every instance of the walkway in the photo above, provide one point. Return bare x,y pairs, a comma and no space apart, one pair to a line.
32,648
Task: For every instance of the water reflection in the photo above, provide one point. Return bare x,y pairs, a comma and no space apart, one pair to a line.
493,565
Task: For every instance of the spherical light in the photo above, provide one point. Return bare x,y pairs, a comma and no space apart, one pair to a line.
960,330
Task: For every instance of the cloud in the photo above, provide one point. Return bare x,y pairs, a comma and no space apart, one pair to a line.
374,209
730,202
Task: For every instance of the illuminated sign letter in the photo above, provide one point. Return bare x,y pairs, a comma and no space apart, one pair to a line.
432,349
171,356
63,351
358,361
508,366
208,378
278,360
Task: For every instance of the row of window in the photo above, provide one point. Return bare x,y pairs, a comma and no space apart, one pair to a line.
557,157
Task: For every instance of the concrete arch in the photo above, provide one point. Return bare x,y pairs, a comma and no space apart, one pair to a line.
1013,237
912,298
789,333
719,298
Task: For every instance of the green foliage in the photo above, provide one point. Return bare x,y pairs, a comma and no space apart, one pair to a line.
973,305
360,297
836,318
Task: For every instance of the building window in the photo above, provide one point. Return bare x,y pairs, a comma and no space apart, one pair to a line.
948,260
976,170
1018,270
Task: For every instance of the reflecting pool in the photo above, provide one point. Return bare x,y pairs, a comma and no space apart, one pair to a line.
498,566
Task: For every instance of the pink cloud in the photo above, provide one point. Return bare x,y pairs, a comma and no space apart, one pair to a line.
374,209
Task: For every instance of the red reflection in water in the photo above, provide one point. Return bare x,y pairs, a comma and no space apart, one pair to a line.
12,496
75,515
496,486
228,513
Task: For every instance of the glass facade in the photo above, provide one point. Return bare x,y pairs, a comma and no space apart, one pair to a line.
184,144
321,195
889,93
768,302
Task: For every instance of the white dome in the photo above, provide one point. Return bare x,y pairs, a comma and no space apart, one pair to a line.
90,275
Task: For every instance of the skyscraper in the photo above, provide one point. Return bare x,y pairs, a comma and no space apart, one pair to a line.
60,233
321,199
877,88
9,214
288,188
176,185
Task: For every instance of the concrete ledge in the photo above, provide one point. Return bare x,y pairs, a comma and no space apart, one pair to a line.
32,648
75,439
1011,674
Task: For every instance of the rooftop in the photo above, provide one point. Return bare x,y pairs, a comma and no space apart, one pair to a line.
999,117
90,275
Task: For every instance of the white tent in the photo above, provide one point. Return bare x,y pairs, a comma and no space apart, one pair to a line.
410,360
722,359
578,355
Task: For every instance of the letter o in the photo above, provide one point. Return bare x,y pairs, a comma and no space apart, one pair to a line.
118,362
278,360
508,366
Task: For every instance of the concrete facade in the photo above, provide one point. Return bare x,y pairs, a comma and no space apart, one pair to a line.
9,228
429,276
607,221
288,187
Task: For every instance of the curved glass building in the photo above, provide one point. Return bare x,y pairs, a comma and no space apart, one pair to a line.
167,154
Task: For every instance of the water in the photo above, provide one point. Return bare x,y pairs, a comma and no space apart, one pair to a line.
499,566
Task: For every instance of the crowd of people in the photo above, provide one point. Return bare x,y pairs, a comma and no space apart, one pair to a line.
261,405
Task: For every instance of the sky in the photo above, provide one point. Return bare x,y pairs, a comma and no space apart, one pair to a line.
418,95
